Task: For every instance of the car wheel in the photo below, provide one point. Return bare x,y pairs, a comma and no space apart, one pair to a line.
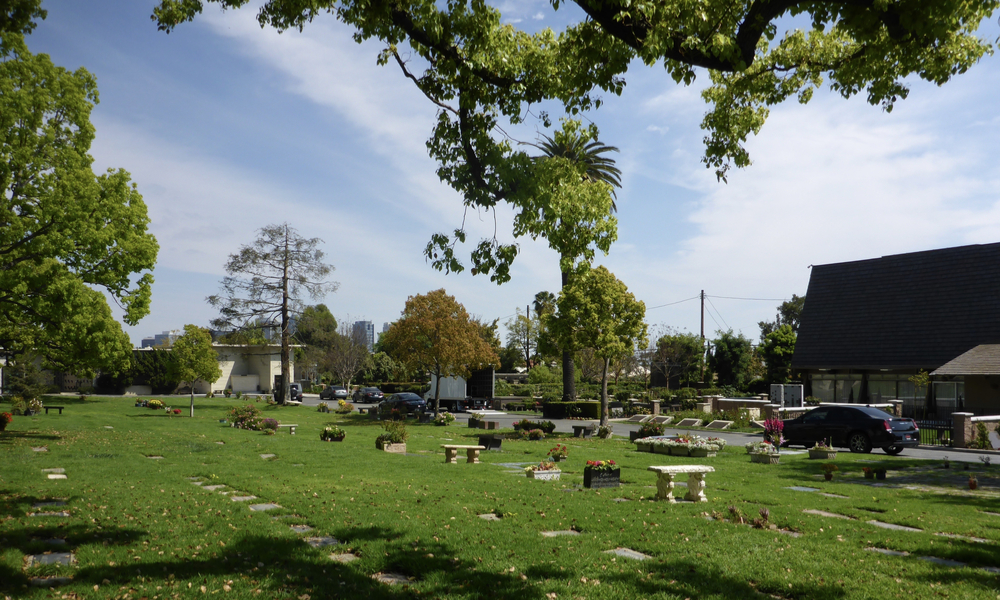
892,450
859,442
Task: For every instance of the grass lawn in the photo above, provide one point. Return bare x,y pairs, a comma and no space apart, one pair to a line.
139,528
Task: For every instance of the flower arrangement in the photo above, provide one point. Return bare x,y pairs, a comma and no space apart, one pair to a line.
762,447
604,432
155,404
323,407
559,452
536,434
444,418
269,426
227,392
344,407
245,417
332,432
772,432
829,468
821,445
650,429
600,465
545,465
177,411
395,433
973,482
5,419
869,472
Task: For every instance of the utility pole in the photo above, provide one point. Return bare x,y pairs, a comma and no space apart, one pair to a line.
702,335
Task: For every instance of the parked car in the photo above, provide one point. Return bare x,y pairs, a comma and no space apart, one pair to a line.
333,392
295,392
368,394
412,403
855,427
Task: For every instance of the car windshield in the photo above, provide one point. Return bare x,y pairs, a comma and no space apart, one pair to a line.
408,396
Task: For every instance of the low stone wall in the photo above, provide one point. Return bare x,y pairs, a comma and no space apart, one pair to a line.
755,407
963,430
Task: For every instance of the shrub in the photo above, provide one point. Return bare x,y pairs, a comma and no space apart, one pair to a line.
687,392
536,434
239,395
502,388
982,440
548,397
604,431
444,418
526,425
622,396
245,417
332,432
541,374
269,424
395,433
688,403
650,429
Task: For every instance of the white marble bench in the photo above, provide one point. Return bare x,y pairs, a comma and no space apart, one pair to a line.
451,453
696,481
291,427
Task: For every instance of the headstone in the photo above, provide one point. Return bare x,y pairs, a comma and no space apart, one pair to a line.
108,427
154,457
345,557
719,424
221,443
995,440
955,536
267,456
823,513
627,553
49,514
56,476
559,533
52,558
834,495
40,449
263,507
300,528
489,517
893,526
212,488
888,552
391,578
799,488
638,419
942,561
242,498
321,542
53,470
690,423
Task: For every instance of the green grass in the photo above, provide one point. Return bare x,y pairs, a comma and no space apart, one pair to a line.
139,528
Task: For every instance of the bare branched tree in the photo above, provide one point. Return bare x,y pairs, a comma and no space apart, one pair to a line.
266,282
347,355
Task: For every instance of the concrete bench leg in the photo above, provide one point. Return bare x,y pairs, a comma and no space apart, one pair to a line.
450,456
696,488
291,431
473,455
665,487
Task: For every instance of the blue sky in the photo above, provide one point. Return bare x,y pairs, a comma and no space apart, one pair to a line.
226,128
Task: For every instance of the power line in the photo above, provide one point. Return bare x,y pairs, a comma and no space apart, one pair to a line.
673,303
718,313
761,299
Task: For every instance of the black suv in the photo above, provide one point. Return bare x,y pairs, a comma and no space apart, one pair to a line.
368,394
295,392
407,401
855,427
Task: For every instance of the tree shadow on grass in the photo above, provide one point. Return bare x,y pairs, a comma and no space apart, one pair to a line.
8,437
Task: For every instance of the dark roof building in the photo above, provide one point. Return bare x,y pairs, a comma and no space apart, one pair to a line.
868,326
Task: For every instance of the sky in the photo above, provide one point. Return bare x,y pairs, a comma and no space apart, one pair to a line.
227,128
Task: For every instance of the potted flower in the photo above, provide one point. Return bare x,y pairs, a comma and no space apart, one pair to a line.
822,451
444,419
869,472
772,433
536,434
646,430
601,474
269,426
973,482
544,470
828,470
155,404
394,438
947,463
476,418
880,473
323,407
332,433
5,419
764,453
559,453
344,407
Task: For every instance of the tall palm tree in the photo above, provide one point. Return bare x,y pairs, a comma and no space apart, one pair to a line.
571,145
577,149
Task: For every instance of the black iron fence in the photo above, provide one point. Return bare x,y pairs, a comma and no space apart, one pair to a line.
935,433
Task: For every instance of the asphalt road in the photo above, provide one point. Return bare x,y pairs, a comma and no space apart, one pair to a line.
732,438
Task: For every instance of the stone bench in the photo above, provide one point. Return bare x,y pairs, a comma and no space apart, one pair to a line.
696,481
291,427
584,431
59,408
451,453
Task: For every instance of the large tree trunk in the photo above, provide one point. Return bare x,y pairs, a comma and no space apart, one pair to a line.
569,374
286,374
437,392
604,393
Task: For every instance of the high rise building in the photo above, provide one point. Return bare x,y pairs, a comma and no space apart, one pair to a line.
366,329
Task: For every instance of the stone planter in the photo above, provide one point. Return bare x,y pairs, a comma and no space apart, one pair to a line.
679,451
660,449
646,447
474,423
765,458
633,436
701,453
324,409
393,448
880,474
557,458
336,439
822,454
601,479
544,475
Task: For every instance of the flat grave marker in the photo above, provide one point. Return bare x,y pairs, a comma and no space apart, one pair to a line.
718,424
893,526
52,558
300,528
345,557
391,578
321,541
264,507
690,423
628,553
559,533
56,476
242,498
823,513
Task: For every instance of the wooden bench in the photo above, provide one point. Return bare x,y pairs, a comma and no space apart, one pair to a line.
291,427
59,408
696,482
585,431
451,453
